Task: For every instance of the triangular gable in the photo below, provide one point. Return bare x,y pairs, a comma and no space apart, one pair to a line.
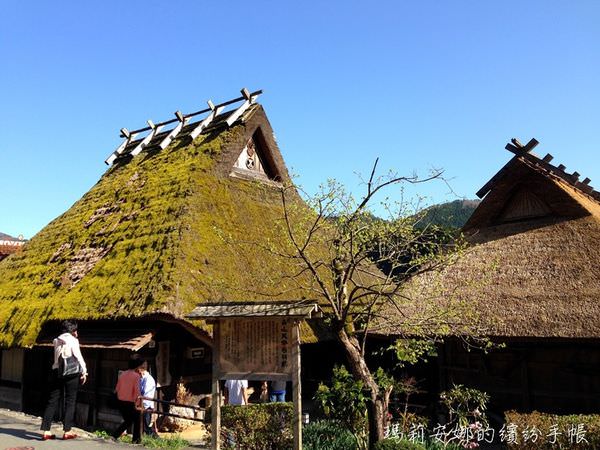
530,188
255,160
524,204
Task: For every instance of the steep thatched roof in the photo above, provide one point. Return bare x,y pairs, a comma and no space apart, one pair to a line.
533,267
159,232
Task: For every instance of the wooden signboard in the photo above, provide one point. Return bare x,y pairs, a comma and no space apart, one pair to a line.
254,341
256,349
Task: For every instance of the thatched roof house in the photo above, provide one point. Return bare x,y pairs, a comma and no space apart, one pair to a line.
189,211
533,268
161,231
532,272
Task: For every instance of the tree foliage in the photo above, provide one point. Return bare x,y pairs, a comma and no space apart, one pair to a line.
343,246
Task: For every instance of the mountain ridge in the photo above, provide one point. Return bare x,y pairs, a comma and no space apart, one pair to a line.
453,214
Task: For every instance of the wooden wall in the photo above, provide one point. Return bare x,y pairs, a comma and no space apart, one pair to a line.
549,376
11,373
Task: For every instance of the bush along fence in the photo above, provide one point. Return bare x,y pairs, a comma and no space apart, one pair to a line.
266,426
269,427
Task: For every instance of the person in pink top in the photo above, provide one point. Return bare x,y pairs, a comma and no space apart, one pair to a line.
128,393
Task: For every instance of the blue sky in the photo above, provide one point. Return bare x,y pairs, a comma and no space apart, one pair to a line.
418,84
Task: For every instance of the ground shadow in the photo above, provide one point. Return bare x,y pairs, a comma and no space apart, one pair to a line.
20,433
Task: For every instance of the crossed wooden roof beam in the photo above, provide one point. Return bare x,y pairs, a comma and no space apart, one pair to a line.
525,152
181,120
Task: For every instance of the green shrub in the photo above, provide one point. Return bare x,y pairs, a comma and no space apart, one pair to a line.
327,435
171,443
465,405
398,444
565,424
266,426
344,401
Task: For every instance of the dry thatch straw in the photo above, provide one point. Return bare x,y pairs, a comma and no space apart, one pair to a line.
533,265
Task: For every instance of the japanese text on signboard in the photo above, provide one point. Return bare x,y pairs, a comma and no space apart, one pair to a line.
259,346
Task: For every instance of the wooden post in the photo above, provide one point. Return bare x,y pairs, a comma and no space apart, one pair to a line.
216,393
296,386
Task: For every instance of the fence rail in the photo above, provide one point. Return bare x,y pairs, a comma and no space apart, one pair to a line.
170,414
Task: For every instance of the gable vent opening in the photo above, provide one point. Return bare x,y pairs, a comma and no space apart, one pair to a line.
255,160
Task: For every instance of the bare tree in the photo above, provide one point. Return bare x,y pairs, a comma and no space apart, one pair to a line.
339,246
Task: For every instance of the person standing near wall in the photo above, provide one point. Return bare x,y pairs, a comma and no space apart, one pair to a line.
148,390
65,346
128,396
236,392
277,391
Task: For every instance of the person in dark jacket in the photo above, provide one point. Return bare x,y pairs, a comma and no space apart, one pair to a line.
66,345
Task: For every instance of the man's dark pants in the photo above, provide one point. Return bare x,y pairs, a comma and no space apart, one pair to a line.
131,415
57,385
147,423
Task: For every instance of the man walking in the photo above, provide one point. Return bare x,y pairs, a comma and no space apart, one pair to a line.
128,394
148,390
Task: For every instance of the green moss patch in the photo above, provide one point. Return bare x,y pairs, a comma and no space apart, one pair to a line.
161,232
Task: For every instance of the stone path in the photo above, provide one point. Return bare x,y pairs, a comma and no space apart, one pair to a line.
20,431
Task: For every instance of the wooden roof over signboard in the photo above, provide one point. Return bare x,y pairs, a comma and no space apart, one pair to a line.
296,310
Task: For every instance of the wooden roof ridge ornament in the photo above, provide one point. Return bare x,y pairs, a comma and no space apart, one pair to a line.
250,99
174,132
182,120
518,149
525,153
256,341
214,112
128,138
155,129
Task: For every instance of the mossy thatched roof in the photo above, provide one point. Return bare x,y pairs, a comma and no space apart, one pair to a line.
533,266
157,233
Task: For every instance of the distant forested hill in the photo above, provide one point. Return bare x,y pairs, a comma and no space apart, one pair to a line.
451,214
